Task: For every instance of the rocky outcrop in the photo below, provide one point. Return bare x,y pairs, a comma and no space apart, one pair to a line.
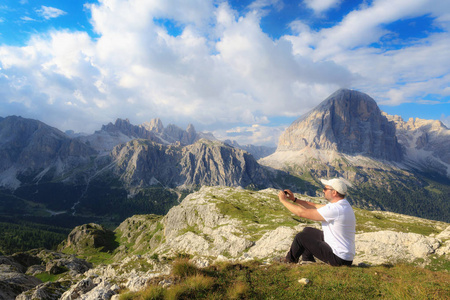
224,222
144,163
47,291
383,247
17,274
153,131
348,122
94,289
89,236
13,281
130,130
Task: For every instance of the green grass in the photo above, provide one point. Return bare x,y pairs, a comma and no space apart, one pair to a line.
46,277
92,255
370,221
278,281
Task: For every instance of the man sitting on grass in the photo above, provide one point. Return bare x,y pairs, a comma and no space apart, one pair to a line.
335,243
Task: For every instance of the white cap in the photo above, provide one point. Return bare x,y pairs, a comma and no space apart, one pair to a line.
337,184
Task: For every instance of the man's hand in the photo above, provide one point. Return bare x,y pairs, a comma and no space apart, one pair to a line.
286,195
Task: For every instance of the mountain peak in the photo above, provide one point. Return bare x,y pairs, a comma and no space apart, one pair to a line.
349,122
155,125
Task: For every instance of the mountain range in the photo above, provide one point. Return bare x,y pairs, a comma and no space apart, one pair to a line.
123,169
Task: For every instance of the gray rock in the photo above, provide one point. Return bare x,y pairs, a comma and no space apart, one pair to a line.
45,291
12,281
391,247
34,270
89,236
426,143
78,290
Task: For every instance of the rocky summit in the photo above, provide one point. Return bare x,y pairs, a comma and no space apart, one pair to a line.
348,122
214,224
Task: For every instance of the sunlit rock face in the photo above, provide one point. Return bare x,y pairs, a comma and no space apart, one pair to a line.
349,122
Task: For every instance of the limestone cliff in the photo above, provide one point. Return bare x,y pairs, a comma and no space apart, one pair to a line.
348,122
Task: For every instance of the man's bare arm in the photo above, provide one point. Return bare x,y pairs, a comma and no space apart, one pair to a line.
308,212
306,204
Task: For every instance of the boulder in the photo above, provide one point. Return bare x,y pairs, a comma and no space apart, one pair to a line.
391,247
89,236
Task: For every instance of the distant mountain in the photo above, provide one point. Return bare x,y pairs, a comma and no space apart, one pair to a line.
350,124
143,163
115,172
426,144
123,131
32,148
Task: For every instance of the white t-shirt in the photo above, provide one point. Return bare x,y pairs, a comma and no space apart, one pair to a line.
339,228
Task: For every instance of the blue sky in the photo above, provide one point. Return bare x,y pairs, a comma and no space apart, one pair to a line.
240,69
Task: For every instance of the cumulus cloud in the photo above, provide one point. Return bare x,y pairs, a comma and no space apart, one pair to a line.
48,12
256,134
219,71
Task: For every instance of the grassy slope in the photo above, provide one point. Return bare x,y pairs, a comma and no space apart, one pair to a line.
279,281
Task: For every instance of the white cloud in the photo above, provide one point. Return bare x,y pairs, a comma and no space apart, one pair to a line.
48,12
361,27
264,4
256,134
320,6
27,19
